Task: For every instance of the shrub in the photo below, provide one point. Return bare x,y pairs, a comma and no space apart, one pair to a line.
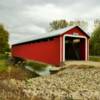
17,61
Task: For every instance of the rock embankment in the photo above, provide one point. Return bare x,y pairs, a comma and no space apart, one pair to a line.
71,83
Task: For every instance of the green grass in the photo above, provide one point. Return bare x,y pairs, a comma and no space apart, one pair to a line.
94,58
3,62
36,65
3,65
3,56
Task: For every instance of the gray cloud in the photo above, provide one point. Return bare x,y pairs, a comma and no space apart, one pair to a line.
64,3
28,17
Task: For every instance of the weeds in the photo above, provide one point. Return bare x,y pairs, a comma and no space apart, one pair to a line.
36,65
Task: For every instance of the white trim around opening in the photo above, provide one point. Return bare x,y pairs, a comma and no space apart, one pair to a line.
75,36
61,49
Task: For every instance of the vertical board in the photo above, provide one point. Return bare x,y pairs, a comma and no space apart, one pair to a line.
82,49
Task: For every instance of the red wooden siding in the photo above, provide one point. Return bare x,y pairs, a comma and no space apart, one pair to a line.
44,51
75,30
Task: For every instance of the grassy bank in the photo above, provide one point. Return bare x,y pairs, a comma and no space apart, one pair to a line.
3,62
3,65
94,58
36,65
9,71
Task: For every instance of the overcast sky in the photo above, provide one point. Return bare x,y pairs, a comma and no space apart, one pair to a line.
24,18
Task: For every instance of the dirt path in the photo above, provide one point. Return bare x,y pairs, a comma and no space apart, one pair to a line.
88,63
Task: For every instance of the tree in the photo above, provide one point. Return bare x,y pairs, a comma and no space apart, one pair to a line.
4,35
83,24
58,24
97,22
95,42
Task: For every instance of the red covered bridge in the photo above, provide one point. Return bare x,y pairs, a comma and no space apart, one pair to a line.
70,43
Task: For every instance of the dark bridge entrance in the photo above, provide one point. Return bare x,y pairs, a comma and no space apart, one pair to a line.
74,48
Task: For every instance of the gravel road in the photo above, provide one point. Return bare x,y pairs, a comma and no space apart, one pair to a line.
77,81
